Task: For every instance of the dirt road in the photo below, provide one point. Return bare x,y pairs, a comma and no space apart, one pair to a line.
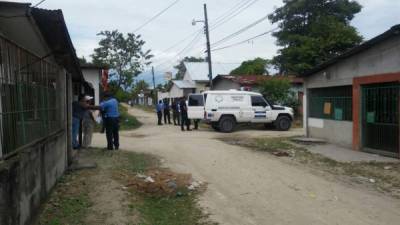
249,187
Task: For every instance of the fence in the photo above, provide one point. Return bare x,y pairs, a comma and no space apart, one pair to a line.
29,103
331,103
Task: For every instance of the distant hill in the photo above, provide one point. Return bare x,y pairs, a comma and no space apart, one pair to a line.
159,77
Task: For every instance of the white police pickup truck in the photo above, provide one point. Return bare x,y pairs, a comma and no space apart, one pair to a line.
225,109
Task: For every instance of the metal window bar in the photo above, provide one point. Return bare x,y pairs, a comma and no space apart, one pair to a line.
29,102
331,103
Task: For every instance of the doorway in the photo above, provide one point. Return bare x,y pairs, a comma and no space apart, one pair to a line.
380,118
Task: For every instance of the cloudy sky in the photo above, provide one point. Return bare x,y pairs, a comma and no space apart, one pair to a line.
85,18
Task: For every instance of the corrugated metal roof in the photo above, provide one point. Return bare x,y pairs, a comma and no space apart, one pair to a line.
183,84
198,71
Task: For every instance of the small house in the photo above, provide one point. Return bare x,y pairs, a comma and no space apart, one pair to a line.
353,99
39,77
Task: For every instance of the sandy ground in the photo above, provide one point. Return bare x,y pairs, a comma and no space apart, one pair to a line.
249,187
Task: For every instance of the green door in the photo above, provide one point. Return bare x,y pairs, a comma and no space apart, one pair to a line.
380,118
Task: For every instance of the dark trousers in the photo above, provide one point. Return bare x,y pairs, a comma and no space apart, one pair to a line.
167,116
196,124
112,133
159,116
185,121
175,117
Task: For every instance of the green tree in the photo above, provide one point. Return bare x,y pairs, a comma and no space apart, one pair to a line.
181,66
124,54
82,60
138,88
278,91
313,31
257,66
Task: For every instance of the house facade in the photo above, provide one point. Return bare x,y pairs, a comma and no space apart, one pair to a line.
353,100
39,77
93,76
197,73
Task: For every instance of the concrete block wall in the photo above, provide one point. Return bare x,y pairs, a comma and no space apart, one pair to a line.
27,179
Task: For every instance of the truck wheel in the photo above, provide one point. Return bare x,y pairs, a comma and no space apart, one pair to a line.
227,124
283,123
215,126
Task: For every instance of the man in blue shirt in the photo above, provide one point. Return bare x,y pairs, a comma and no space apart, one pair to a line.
159,109
109,108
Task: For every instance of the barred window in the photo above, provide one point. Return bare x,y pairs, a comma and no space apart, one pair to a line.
333,103
30,97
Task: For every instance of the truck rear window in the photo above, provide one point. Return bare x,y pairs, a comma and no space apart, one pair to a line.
196,100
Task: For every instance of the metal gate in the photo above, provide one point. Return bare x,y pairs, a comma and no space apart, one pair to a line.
380,118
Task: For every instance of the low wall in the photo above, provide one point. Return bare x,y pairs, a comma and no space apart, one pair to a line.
334,131
27,179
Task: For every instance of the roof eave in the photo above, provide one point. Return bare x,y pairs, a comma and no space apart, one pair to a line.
393,31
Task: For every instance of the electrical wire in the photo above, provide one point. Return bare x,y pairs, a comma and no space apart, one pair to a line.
233,15
156,16
218,19
228,37
229,12
39,3
244,41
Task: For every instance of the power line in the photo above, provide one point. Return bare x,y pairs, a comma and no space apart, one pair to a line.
227,16
156,16
218,19
230,11
242,42
228,37
39,3
234,14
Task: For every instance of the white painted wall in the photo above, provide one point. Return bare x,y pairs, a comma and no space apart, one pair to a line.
176,92
93,76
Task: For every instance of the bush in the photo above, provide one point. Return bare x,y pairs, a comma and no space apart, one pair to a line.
277,91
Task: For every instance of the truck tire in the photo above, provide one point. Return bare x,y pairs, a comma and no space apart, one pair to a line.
227,124
283,123
215,126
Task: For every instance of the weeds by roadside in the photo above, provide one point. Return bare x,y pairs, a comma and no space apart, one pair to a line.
384,177
69,201
127,121
73,195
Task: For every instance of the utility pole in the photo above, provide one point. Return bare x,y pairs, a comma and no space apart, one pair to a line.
154,87
210,75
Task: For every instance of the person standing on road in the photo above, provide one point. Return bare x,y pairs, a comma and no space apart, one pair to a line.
78,111
167,113
175,113
196,124
185,120
88,125
109,107
159,109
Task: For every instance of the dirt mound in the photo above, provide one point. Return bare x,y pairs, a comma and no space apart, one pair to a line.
163,182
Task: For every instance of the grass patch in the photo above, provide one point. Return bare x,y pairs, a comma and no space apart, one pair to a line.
171,211
161,210
385,175
128,122
69,201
